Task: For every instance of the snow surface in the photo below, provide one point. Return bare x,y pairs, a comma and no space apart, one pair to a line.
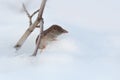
91,50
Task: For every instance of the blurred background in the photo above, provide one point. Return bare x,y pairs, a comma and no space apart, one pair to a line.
91,50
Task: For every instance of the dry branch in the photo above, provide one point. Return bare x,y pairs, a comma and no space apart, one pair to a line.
35,13
39,38
32,26
26,10
28,14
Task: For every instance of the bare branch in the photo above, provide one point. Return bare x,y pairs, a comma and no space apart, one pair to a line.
28,14
30,18
39,38
35,13
26,10
40,13
32,26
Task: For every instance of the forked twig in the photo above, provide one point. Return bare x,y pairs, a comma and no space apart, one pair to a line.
28,14
32,26
26,10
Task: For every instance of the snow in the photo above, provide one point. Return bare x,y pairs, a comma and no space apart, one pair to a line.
91,50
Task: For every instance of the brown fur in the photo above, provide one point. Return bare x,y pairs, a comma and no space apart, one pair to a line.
51,34
54,27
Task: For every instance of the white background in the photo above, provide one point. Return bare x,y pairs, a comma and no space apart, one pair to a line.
91,50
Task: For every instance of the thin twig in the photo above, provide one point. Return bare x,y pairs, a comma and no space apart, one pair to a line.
35,13
26,10
39,38
29,16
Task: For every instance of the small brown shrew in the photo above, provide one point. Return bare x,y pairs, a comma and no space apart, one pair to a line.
50,35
